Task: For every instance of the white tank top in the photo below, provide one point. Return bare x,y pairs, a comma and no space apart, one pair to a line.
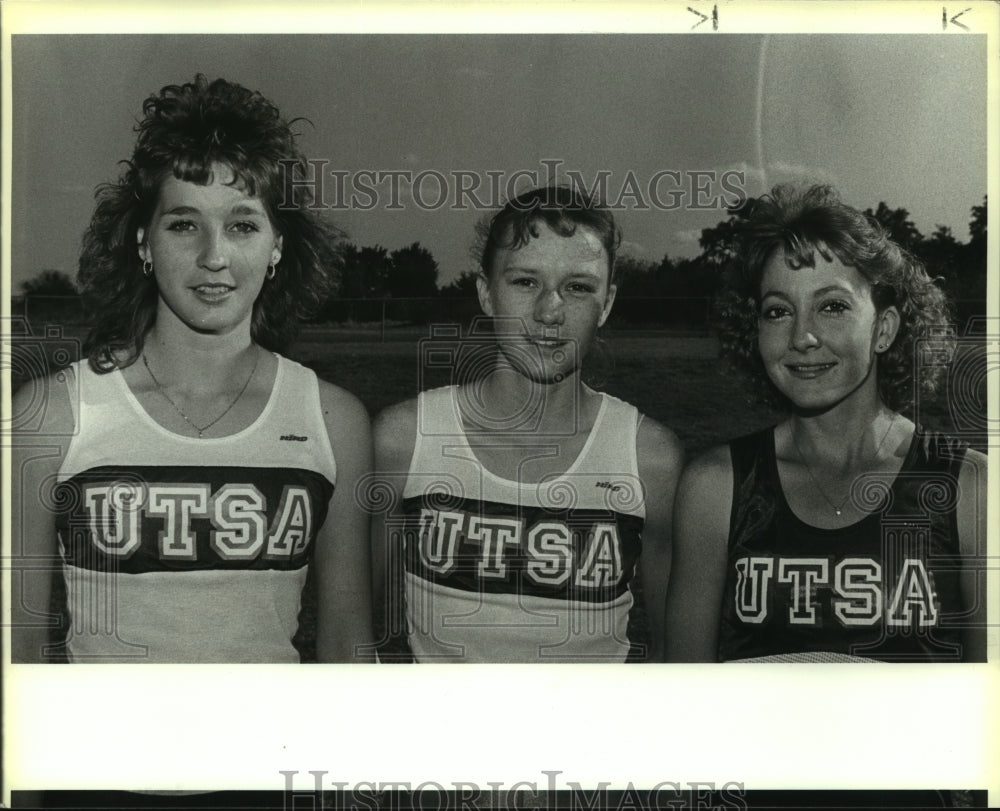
501,571
180,549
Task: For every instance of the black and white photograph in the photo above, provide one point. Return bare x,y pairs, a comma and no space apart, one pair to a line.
587,349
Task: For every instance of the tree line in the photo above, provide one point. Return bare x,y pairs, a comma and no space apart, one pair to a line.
960,266
375,283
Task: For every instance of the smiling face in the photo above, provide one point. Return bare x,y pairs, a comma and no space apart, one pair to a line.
819,331
210,247
548,299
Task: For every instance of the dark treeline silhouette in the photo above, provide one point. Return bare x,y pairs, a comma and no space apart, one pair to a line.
402,285
644,285
372,276
52,297
49,283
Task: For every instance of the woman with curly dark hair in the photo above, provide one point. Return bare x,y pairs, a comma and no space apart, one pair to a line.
195,467
844,532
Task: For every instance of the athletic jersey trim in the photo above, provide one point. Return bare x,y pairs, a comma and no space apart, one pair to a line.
771,461
119,380
462,441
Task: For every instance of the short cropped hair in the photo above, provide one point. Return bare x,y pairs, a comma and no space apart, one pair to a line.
185,131
801,221
562,209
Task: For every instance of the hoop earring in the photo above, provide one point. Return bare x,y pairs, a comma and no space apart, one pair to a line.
147,268
271,272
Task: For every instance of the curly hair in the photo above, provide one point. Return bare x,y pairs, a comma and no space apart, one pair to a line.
803,221
561,208
186,130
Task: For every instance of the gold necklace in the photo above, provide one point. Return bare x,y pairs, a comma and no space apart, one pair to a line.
836,508
201,430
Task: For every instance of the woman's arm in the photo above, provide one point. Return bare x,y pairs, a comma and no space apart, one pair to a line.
343,564
972,546
660,458
698,574
41,438
395,438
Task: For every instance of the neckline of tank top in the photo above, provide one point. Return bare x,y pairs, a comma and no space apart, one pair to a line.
259,420
772,462
584,451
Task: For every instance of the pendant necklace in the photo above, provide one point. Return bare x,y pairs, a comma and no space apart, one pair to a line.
201,429
836,508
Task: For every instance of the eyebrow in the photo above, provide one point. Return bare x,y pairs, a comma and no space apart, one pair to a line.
831,288
181,210
575,274
241,209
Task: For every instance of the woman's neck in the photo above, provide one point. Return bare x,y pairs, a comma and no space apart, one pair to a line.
197,361
507,400
854,432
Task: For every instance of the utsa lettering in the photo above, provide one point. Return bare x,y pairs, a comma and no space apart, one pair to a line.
508,571
548,548
803,575
887,587
193,551
237,514
858,594
858,580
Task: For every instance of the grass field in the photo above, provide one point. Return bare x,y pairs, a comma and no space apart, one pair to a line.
674,378
678,380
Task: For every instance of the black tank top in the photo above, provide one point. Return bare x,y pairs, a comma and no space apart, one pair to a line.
886,587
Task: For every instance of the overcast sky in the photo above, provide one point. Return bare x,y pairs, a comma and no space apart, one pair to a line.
899,118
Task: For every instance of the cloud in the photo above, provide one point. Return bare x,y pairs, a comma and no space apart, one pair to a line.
757,182
688,236
751,174
781,171
635,250
474,72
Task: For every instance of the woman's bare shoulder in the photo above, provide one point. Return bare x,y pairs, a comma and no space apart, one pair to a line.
45,406
714,462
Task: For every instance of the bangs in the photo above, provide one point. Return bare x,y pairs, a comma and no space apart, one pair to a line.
800,251
557,221
200,169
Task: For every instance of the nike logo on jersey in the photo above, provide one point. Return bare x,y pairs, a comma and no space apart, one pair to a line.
860,597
